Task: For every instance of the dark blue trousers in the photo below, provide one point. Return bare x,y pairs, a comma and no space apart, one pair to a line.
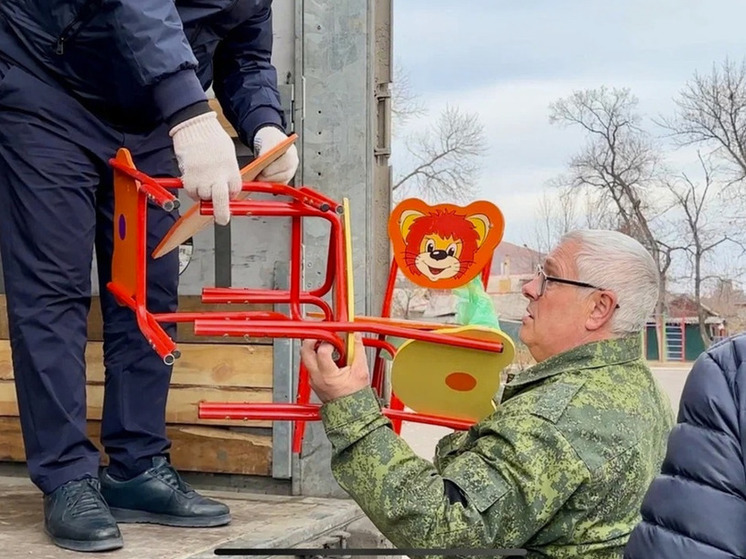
56,206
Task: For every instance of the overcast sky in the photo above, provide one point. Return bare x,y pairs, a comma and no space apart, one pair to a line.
507,60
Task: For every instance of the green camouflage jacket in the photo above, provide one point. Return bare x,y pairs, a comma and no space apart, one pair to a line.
560,468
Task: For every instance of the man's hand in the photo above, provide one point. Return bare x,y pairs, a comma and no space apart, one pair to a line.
207,159
284,168
329,381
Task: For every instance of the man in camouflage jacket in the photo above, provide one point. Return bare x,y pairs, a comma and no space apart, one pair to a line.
561,467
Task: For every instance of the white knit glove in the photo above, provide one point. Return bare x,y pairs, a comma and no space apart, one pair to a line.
284,168
208,164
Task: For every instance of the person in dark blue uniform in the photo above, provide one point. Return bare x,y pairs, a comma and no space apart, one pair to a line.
696,505
78,80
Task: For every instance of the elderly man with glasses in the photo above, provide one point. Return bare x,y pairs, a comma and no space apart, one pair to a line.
561,467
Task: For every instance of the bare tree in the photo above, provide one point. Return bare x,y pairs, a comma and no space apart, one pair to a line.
711,110
405,294
620,165
405,103
565,206
728,300
446,158
557,215
698,205
443,163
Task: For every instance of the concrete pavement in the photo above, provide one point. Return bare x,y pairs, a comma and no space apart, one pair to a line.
672,380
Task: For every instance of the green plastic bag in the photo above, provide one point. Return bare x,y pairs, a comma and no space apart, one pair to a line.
474,306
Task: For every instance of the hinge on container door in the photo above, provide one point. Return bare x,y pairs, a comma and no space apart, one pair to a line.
287,101
383,118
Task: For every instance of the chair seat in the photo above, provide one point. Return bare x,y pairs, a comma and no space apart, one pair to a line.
445,380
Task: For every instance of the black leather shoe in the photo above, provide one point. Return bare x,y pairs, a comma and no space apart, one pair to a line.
160,496
76,517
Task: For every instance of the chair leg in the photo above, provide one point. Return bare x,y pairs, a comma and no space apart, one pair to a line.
303,397
398,405
377,379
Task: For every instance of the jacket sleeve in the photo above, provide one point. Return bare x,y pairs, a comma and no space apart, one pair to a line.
510,482
245,81
150,35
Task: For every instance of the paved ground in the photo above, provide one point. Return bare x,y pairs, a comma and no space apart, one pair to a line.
672,381
422,438
259,522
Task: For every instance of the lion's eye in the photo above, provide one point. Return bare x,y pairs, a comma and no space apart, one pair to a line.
451,250
430,246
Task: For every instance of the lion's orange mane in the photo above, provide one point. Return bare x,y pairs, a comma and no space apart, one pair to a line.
444,224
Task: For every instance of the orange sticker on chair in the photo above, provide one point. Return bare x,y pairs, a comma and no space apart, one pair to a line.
444,246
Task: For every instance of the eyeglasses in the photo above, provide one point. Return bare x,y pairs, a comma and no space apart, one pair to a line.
544,278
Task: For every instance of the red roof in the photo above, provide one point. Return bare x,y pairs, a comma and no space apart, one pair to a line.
684,306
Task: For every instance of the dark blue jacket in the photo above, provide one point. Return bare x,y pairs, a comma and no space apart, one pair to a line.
696,507
140,62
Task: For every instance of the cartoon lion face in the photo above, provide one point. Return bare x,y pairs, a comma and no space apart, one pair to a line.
444,244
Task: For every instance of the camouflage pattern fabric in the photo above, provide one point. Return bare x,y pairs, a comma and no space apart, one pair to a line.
560,468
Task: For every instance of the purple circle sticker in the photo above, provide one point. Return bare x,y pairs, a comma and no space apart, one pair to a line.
122,226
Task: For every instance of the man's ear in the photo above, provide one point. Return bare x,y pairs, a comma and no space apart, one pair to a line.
603,305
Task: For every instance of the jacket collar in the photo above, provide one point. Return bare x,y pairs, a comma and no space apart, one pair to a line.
588,356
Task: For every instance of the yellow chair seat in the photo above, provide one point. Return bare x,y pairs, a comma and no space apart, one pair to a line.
444,380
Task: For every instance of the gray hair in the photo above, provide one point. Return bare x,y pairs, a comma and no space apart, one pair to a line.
614,261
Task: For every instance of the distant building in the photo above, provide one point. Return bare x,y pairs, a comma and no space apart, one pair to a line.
683,339
729,300
510,259
512,266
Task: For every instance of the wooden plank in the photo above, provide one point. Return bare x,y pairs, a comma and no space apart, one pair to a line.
199,365
195,449
182,405
4,328
184,330
218,450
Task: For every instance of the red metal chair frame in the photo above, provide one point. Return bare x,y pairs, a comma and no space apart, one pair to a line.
129,283
379,363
